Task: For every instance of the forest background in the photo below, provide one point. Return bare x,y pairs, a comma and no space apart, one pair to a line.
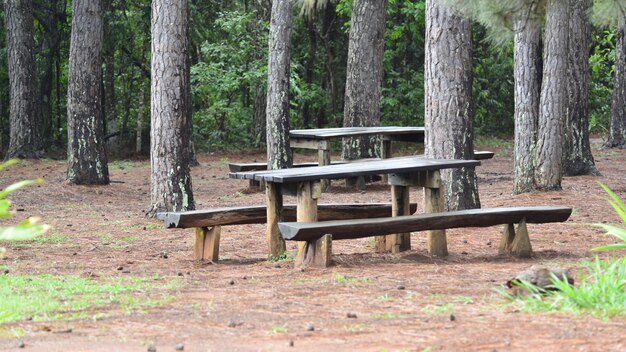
229,73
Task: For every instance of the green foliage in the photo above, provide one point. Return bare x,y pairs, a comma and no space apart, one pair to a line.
601,66
618,232
225,78
26,229
600,293
48,297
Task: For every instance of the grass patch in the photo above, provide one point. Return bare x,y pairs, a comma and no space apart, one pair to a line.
48,297
122,165
492,142
385,316
354,327
601,293
439,309
283,257
346,279
279,329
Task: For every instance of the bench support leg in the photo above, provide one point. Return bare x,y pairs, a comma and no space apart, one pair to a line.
276,243
385,153
433,203
521,246
508,235
399,242
207,243
323,156
316,252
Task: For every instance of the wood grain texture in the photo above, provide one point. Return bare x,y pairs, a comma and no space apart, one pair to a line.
258,214
359,228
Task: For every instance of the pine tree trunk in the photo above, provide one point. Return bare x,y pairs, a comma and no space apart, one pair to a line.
139,122
554,101
25,140
527,57
448,93
278,151
577,157
86,155
170,129
364,75
617,135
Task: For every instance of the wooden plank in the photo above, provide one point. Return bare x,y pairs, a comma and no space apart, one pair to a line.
483,155
258,214
521,247
275,243
358,228
399,242
328,133
315,252
508,234
434,203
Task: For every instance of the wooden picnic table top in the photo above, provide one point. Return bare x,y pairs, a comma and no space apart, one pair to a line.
329,133
385,166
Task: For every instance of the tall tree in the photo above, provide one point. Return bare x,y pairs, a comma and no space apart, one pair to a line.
617,135
86,155
577,157
448,100
279,154
108,83
25,125
170,153
364,75
527,73
554,100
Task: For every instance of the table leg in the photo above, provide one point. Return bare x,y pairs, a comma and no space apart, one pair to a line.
276,243
433,203
315,252
323,155
385,152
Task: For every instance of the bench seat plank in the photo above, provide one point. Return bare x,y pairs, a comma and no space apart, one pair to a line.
358,228
258,214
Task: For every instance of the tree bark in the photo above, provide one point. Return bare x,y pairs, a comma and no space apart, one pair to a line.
577,156
364,75
527,57
554,101
170,108
86,155
448,93
25,140
279,154
617,135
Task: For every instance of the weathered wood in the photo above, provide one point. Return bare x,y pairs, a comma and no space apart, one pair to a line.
324,159
258,214
399,242
521,247
433,203
359,228
207,243
483,155
315,252
386,166
309,144
410,133
275,242
508,234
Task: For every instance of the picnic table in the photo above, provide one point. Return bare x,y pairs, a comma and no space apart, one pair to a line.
305,183
320,138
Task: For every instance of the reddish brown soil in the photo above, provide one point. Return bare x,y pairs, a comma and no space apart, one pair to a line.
401,302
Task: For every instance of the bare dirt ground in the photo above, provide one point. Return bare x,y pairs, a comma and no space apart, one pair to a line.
365,301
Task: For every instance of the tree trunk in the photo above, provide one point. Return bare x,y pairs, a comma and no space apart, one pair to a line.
170,129
309,67
278,151
86,155
258,117
25,140
364,75
527,57
448,93
139,122
617,135
577,157
554,101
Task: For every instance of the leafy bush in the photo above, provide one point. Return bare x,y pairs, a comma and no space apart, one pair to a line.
26,229
618,232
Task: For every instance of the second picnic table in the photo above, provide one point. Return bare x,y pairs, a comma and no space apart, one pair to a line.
305,183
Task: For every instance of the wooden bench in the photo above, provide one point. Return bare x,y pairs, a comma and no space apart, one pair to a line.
208,222
513,242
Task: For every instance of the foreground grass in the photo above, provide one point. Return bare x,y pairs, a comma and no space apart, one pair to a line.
601,292
48,297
